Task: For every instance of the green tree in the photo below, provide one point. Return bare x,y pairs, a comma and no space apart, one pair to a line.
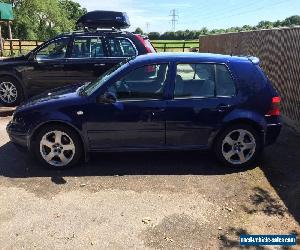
291,21
154,35
265,25
73,10
247,28
41,20
139,31
204,31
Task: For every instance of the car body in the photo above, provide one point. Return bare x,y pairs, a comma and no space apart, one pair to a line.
163,101
69,58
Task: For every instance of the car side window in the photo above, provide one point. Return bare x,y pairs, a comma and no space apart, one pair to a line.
55,50
195,81
121,47
225,85
87,47
144,83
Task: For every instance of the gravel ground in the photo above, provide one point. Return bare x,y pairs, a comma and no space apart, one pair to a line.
167,200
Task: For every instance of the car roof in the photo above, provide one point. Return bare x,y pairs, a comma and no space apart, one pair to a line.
188,57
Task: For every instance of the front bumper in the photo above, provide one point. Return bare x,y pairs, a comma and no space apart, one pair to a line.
17,135
272,133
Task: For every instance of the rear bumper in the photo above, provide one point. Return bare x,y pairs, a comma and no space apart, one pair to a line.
272,133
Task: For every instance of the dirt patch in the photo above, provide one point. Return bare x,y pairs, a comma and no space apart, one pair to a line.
180,231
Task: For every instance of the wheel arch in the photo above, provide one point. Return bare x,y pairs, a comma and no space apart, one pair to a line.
257,126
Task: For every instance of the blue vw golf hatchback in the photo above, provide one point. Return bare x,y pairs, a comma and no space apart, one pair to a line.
167,101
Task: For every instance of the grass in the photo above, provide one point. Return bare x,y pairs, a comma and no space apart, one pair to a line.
7,53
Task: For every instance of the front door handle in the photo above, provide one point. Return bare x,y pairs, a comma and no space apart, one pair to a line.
224,107
58,66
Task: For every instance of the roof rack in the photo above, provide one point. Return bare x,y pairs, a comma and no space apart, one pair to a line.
87,29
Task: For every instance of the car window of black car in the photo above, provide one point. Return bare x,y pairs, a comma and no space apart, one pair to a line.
57,49
121,47
87,47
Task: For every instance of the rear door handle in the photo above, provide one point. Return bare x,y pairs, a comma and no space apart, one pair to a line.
158,110
99,64
155,111
224,108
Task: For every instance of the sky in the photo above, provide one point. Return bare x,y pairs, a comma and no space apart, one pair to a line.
195,14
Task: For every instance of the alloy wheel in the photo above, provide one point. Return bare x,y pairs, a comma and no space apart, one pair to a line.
57,148
239,146
8,92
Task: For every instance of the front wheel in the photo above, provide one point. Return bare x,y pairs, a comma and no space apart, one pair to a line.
58,146
238,146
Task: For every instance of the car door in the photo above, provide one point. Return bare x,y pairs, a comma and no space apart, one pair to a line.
46,69
137,117
87,59
203,95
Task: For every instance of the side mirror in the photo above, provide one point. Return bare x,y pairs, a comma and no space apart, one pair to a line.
107,98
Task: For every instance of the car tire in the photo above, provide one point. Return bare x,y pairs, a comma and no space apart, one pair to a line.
58,147
11,92
238,146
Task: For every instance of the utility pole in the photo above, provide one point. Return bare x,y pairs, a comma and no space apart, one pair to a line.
174,19
147,27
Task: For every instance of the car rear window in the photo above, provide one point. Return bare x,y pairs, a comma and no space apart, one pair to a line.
121,47
195,80
202,80
225,85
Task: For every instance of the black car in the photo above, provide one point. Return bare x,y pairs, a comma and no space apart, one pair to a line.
70,58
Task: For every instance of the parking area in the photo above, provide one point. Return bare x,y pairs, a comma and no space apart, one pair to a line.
147,200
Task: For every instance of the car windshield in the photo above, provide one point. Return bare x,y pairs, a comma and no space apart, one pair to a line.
91,87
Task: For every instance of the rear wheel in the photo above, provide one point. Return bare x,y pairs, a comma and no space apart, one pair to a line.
58,147
11,93
238,146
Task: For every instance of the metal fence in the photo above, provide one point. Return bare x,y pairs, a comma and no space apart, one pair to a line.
279,51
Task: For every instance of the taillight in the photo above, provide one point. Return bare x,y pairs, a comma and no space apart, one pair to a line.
275,107
142,40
